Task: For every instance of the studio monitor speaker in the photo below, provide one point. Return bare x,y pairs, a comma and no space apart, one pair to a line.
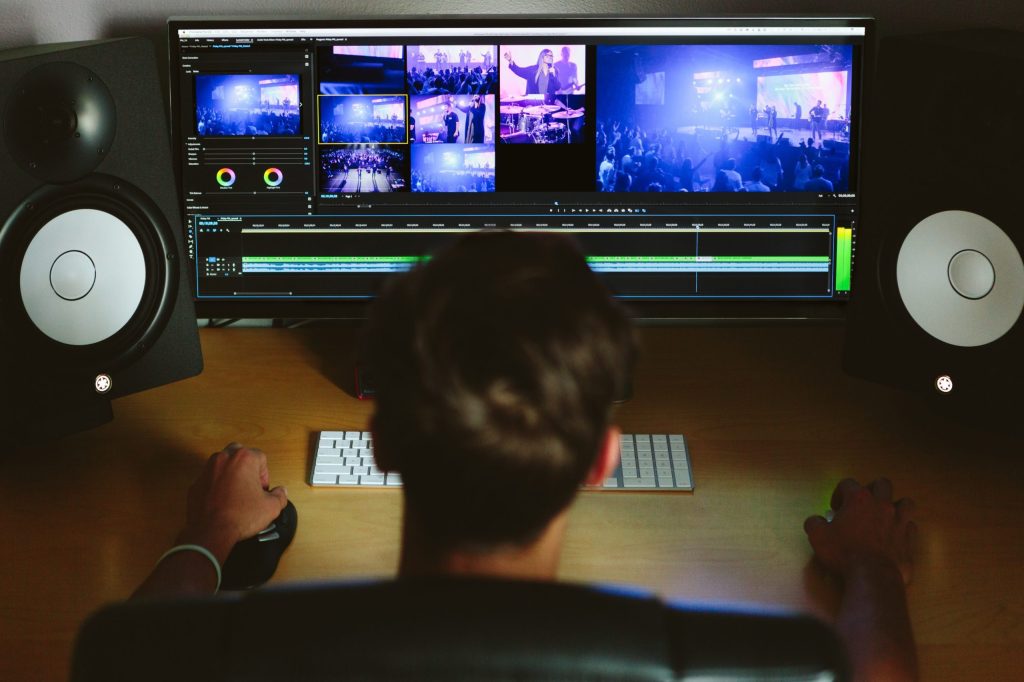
938,279
94,303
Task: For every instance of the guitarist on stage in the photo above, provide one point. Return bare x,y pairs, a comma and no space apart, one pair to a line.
819,115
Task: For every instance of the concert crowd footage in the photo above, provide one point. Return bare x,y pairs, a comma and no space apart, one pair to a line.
724,118
232,105
631,118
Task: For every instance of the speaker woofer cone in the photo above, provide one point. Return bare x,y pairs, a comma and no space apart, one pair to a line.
942,278
142,227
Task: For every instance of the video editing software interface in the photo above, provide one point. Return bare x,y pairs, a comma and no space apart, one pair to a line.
707,160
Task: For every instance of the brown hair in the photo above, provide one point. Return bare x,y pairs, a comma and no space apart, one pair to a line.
496,365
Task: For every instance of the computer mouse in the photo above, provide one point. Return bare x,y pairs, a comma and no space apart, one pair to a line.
252,562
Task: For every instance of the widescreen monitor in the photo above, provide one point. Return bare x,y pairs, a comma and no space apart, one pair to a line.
709,168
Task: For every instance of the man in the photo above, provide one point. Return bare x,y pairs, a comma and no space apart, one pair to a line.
606,171
475,114
773,122
819,116
818,181
733,179
496,365
755,184
451,123
567,73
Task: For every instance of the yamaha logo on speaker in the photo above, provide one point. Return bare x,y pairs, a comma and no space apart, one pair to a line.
103,383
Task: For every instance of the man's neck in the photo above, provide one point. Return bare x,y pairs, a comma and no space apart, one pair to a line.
536,561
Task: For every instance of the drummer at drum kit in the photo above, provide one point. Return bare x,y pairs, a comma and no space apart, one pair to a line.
540,114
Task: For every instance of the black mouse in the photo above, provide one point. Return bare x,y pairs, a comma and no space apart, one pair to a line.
252,562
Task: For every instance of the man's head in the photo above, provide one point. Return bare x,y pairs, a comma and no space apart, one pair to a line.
565,53
496,365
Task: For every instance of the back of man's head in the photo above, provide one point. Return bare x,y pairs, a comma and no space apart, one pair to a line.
496,365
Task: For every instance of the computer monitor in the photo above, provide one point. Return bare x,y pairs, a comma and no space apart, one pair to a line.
707,167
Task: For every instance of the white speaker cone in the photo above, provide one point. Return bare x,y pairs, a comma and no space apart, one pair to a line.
82,277
961,278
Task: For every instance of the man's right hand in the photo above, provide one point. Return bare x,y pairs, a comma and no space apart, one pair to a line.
231,500
867,530
869,541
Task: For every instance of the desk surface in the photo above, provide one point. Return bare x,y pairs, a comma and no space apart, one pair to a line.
772,425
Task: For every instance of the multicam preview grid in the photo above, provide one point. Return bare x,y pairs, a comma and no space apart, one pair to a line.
478,117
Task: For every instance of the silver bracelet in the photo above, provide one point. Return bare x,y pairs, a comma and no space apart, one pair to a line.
195,548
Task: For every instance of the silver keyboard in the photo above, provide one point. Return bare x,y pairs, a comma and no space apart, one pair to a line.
648,462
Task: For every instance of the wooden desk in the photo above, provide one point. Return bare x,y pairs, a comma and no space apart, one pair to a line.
771,420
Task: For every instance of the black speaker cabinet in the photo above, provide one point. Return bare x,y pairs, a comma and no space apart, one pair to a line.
94,303
938,279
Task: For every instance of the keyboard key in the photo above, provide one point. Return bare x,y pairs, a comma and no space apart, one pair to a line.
372,480
333,469
325,479
353,435
348,479
332,434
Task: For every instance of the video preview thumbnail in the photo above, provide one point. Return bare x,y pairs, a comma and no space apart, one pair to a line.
452,168
466,119
361,119
361,69
542,98
229,105
724,118
364,168
452,69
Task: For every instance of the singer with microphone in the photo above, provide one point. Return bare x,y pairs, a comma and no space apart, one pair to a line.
541,78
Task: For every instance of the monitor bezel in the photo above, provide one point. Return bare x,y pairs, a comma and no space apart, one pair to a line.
676,310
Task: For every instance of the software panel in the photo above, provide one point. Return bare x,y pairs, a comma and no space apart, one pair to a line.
710,161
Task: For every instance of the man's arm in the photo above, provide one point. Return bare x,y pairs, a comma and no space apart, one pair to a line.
229,502
868,544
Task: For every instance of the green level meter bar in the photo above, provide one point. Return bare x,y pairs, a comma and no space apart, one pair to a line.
844,257
707,259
